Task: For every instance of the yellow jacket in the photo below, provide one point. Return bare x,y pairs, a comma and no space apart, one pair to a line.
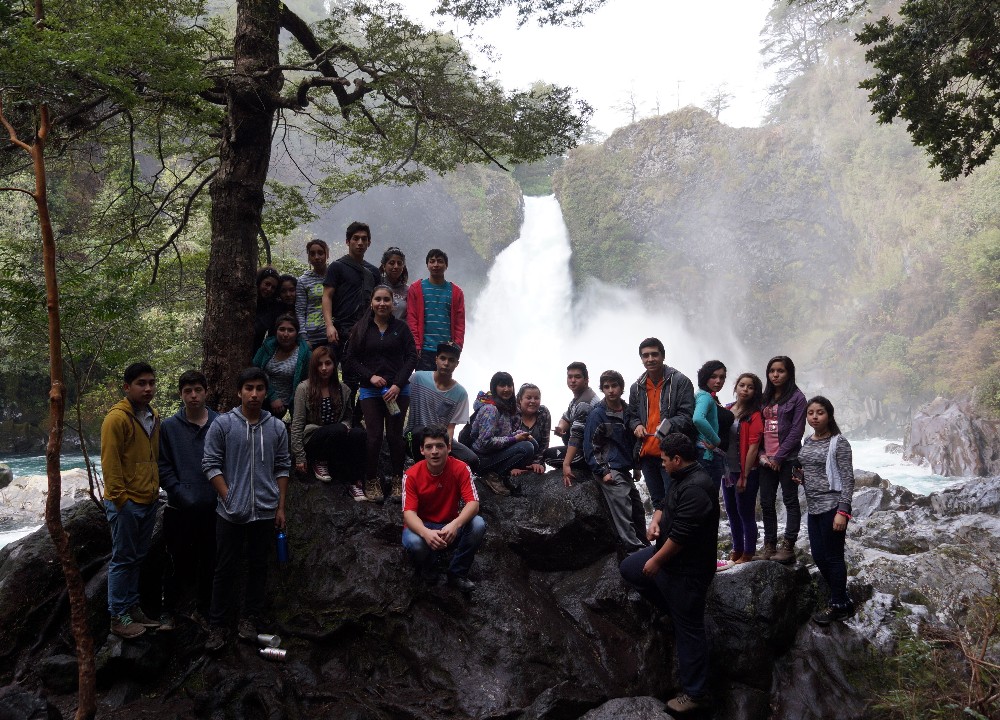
129,457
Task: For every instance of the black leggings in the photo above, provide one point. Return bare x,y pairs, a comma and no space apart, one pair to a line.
379,422
341,448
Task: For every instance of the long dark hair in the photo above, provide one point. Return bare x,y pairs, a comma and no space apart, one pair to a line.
828,406
315,395
789,388
706,371
356,339
405,277
754,405
507,407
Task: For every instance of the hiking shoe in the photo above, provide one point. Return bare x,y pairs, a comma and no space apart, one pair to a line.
765,552
357,492
495,483
322,472
373,491
397,488
461,583
167,621
138,616
125,627
514,485
684,703
833,614
216,639
744,558
785,554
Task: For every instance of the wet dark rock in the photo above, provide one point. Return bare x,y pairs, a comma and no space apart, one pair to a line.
631,708
562,702
894,448
6,475
59,673
954,439
18,703
866,479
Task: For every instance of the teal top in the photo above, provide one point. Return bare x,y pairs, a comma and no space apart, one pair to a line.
706,419
437,314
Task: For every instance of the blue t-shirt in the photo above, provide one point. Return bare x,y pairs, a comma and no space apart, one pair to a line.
437,314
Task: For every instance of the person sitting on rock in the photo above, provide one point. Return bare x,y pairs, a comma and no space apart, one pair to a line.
573,421
130,443
675,574
607,446
496,436
434,518
828,476
246,459
536,420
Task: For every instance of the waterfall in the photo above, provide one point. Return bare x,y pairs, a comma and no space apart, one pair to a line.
528,322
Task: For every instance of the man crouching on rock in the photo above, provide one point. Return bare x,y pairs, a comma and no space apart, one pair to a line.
247,461
675,574
433,518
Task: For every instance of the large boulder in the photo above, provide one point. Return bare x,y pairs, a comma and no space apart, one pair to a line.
6,475
954,439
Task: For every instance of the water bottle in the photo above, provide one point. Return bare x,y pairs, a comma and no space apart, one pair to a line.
391,405
282,546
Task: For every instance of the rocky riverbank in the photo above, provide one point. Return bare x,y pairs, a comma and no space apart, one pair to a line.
550,631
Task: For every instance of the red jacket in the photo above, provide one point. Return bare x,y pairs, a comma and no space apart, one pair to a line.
751,431
415,314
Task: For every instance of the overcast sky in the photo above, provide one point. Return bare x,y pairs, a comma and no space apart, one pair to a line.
648,46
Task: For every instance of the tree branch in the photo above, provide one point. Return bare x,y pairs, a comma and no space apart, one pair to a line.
171,241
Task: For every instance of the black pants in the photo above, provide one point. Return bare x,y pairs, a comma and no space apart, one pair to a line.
189,534
827,548
380,422
769,482
426,361
233,542
341,448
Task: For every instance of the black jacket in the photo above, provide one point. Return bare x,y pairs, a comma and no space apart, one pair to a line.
691,519
676,406
392,355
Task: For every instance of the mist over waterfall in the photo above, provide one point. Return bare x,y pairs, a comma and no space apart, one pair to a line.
529,322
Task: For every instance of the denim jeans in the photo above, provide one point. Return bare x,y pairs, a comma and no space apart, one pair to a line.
741,509
468,541
769,481
827,548
131,534
656,477
715,466
503,461
683,598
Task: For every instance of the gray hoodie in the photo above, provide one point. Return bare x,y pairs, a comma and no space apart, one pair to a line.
251,457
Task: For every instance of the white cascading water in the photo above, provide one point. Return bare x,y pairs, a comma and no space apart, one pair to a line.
527,322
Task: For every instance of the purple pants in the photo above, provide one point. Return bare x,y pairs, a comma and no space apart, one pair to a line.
741,509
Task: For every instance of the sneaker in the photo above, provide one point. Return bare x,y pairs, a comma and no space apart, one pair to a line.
216,639
322,472
247,629
167,622
397,488
138,616
765,552
125,627
744,558
373,490
834,613
495,483
785,554
461,583
684,703
721,565
357,492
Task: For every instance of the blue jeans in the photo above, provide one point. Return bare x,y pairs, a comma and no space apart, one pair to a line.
470,537
683,598
715,466
503,461
131,534
827,548
741,508
657,479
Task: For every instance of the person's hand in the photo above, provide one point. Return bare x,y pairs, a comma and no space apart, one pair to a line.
517,472
568,476
391,394
523,435
448,533
537,468
378,381
331,335
741,484
839,523
640,431
651,567
653,531
560,430
278,408
434,539
300,468
279,519
607,479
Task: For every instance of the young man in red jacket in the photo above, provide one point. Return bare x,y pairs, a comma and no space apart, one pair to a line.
435,310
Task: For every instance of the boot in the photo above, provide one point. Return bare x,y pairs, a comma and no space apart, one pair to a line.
785,554
765,552
397,488
744,558
735,556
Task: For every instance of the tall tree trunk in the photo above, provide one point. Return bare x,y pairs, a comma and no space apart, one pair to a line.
238,198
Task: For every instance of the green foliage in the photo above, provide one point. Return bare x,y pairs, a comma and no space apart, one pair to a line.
490,207
547,12
536,178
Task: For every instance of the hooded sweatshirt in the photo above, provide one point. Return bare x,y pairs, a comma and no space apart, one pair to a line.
182,445
129,456
251,457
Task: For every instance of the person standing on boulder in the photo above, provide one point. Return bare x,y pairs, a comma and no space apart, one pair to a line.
189,517
435,310
309,294
246,459
434,517
828,476
572,423
784,410
130,445
662,402
675,574
348,286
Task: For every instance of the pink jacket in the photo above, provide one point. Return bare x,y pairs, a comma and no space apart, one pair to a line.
415,314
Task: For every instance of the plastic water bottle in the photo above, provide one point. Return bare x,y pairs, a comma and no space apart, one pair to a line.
282,546
391,405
